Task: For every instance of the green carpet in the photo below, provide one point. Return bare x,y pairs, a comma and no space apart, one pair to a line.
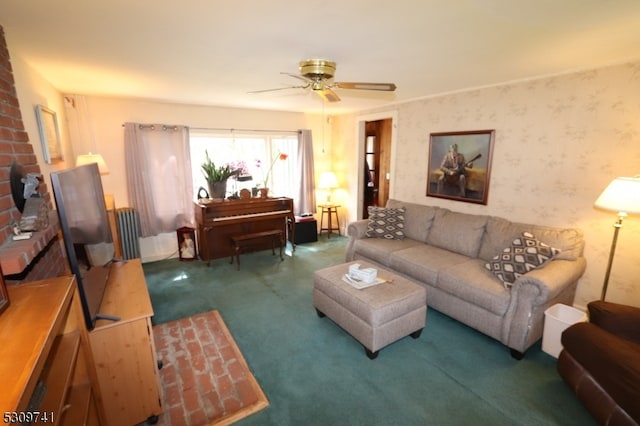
313,372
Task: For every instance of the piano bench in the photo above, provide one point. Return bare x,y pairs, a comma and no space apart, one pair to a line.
239,242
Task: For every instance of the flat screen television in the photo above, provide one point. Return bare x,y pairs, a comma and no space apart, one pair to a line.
86,232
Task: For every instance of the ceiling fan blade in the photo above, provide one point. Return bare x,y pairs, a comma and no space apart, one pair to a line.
299,77
328,95
279,88
385,87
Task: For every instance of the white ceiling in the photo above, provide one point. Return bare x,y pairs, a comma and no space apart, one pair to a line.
213,52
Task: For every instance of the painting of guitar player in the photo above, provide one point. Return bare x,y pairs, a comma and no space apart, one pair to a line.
460,165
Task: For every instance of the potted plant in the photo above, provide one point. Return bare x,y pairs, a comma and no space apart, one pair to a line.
216,177
264,190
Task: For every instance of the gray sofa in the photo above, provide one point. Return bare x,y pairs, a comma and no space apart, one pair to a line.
448,253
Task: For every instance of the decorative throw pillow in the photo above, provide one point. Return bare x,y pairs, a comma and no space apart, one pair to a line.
386,223
525,254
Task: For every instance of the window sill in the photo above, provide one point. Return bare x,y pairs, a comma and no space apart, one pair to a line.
16,256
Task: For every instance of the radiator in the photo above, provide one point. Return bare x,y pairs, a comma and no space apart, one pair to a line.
129,231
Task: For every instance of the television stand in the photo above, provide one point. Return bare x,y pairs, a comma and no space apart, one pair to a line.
125,361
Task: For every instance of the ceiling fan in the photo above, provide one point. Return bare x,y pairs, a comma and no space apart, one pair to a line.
317,74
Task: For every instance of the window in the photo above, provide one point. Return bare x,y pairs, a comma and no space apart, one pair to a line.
255,153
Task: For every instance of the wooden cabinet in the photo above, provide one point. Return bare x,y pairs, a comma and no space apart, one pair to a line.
51,364
125,361
44,356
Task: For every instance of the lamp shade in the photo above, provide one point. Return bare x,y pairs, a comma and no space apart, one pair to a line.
622,195
328,181
93,158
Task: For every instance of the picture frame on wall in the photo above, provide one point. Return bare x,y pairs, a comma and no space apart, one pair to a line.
459,165
49,134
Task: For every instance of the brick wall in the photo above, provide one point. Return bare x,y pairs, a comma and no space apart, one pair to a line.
15,146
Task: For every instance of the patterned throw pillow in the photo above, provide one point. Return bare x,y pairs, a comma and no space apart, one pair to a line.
525,254
386,223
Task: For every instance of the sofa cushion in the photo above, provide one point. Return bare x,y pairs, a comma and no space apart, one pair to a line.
422,262
501,232
386,223
523,255
485,291
417,219
569,241
458,232
379,250
621,320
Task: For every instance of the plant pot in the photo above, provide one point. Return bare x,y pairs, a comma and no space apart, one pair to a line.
218,190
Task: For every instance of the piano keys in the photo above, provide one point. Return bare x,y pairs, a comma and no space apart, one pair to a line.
219,220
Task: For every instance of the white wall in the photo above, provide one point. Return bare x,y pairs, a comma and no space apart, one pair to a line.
559,142
34,90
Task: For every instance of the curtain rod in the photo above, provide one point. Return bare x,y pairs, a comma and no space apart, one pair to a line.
153,126
231,130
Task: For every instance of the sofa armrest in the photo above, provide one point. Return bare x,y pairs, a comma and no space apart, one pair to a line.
621,320
552,279
358,229
532,293
605,374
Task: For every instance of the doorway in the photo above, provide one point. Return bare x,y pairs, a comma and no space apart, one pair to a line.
377,164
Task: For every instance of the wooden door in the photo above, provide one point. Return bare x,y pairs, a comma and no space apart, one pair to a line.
377,164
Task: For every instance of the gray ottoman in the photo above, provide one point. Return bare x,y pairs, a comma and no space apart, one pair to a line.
376,316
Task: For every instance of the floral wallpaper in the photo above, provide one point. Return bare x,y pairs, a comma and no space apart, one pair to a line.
559,141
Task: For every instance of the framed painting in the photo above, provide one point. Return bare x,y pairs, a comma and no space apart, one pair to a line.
49,134
459,165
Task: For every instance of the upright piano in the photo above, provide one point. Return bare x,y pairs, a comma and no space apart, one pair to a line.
219,220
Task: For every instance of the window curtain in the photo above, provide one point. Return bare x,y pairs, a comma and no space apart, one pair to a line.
305,194
283,179
158,168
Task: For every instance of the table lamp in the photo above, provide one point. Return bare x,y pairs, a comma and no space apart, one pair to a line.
622,196
328,182
93,158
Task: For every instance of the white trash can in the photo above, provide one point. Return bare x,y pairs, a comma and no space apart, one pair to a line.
558,318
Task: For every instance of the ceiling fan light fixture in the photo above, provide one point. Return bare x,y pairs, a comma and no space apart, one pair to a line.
317,69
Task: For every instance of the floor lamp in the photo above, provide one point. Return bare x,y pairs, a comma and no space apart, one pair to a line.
621,196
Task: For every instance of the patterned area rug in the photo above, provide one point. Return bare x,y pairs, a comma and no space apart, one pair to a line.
205,378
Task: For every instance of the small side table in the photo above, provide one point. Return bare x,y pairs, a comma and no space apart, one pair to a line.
329,210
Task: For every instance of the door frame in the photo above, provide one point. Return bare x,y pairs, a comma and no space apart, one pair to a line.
361,138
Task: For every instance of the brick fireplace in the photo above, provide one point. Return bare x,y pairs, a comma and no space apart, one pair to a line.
41,256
